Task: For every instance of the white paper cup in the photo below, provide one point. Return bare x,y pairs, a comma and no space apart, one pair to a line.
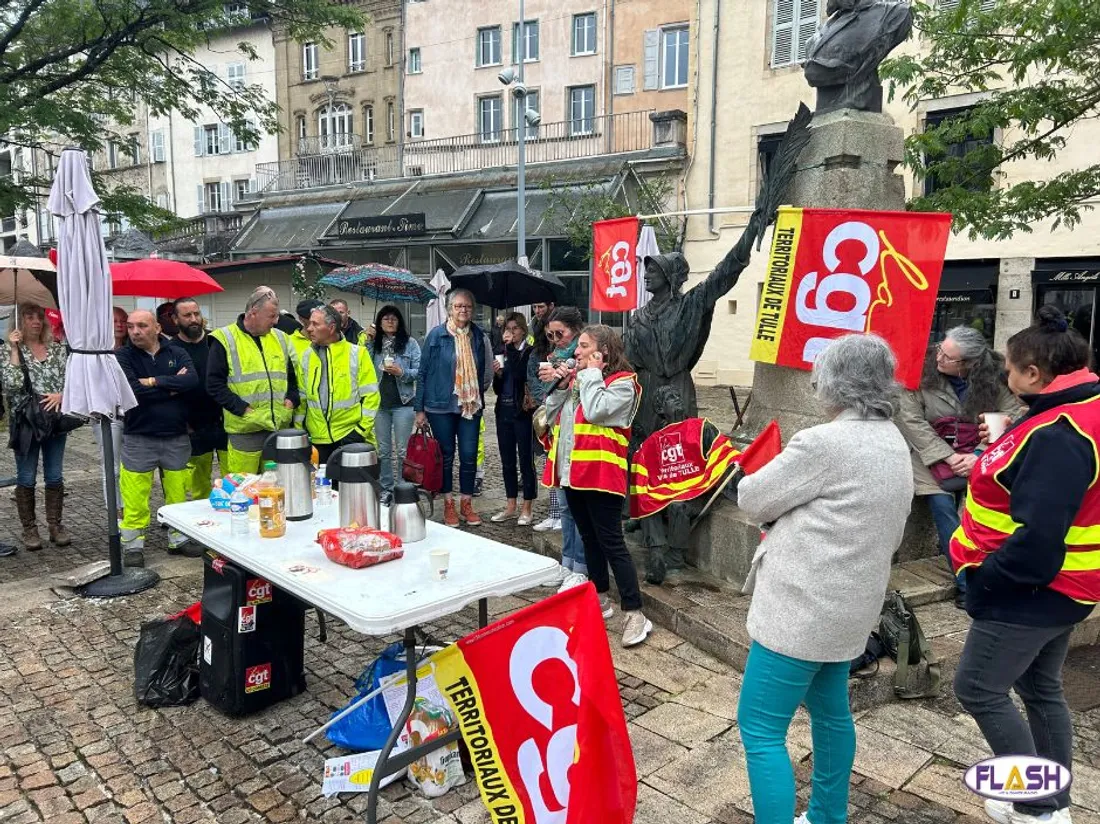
545,365
500,361
387,360
997,422
440,560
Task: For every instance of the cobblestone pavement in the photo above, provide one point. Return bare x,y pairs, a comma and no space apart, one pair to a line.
75,747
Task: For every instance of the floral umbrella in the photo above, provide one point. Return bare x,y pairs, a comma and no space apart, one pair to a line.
379,282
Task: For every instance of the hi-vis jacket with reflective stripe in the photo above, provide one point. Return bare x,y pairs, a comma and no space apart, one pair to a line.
353,398
258,378
598,460
987,522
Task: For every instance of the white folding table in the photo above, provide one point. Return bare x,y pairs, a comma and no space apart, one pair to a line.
394,597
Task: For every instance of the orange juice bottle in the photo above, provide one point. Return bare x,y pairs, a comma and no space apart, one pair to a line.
272,499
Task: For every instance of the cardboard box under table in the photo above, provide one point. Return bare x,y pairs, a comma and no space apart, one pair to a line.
394,597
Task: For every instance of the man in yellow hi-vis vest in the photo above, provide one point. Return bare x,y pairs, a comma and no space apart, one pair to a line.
251,375
340,396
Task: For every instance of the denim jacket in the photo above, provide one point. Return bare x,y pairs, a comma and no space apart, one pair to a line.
409,361
435,385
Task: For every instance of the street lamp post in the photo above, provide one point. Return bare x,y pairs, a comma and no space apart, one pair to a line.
521,147
513,76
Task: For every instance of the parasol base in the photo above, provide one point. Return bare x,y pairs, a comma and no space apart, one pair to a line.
130,581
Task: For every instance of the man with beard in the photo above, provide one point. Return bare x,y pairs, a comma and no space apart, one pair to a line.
349,326
204,415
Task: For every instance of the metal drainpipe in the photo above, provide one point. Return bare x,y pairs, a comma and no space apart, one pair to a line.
521,147
609,78
403,65
714,114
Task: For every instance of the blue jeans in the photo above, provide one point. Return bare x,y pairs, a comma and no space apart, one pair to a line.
773,687
53,458
945,513
393,427
449,428
572,547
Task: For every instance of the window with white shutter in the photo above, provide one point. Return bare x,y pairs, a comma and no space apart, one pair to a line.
793,24
225,135
156,145
651,60
624,80
200,199
234,75
310,62
200,141
225,195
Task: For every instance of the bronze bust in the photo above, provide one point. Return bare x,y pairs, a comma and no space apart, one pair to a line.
843,57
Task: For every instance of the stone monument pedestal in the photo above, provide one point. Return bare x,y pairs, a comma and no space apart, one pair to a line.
850,162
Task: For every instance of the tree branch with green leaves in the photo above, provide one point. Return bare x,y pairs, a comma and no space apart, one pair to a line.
73,71
1034,69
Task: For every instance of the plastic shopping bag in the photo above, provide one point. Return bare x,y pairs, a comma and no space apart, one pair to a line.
166,661
369,726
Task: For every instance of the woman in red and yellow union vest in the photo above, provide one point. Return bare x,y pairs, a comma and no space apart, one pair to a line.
593,409
1030,547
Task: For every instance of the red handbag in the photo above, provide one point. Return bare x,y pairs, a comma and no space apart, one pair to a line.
424,461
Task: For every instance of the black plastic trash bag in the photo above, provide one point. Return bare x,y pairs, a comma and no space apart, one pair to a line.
166,662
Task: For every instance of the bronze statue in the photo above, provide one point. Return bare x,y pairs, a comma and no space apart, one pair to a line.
665,339
843,57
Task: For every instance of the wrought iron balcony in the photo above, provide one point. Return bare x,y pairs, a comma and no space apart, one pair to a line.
547,143
327,144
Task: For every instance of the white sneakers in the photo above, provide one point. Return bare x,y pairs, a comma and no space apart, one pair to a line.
606,607
1004,813
573,579
549,525
636,628
560,574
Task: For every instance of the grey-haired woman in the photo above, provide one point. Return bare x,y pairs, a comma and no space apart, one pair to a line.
833,505
963,378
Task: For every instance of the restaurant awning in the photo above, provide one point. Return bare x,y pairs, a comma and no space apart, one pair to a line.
286,228
969,275
233,267
496,215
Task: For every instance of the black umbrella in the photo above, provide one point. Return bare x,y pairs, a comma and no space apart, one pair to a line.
508,284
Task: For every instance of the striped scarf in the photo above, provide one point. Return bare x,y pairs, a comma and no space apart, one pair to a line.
467,379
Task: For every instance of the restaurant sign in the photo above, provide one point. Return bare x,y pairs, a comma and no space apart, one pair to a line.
381,226
1071,276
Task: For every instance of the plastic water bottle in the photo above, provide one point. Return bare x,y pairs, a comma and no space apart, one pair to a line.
239,504
324,487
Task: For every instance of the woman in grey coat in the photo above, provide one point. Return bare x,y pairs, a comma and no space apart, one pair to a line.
833,506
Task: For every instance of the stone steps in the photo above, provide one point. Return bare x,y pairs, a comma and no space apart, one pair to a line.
712,614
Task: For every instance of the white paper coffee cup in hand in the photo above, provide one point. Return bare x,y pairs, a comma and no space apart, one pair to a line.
996,423
500,361
440,560
387,360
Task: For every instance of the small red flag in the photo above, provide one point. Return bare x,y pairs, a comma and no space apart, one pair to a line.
614,259
766,446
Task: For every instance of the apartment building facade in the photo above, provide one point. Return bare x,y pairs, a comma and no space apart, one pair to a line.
994,286
340,98
582,62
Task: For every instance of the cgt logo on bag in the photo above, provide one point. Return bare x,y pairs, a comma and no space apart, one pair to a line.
257,678
258,591
1017,778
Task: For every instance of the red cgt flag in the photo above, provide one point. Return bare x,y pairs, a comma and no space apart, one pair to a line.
614,262
766,446
538,704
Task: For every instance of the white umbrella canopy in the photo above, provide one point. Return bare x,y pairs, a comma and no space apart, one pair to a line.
437,307
647,247
94,382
